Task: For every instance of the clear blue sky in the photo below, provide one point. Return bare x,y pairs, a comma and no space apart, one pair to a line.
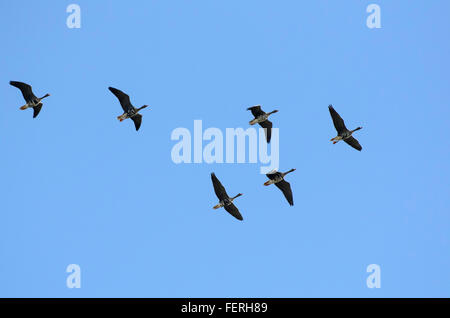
79,187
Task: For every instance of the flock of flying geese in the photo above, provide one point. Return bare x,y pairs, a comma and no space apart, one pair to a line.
261,118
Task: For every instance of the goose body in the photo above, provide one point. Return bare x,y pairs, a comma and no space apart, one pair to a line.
261,118
225,201
277,178
31,100
343,133
129,111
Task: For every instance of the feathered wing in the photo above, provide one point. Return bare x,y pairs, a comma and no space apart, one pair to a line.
337,120
26,90
233,210
256,111
123,98
273,176
285,187
137,121
267,125
36,110
353,142
218,188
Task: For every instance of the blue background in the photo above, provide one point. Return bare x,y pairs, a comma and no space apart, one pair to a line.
79,187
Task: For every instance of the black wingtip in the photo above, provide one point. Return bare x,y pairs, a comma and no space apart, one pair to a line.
137,126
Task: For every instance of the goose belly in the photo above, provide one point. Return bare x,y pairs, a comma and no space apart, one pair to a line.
131,113
32,103
226,202
262,118
346,136
277,180
273,181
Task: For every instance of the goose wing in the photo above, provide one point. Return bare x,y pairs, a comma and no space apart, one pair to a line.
267,125
353,142
337,121
220,191
36,110
285,187
123,98
233,210
256,111
137,121
273,176
26,90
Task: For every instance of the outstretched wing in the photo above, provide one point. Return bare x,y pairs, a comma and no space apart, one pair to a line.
123,98
337,121
267,125
137,121
285,187
36,110
353,142
256,111
218,188
26,90
274,175
233,210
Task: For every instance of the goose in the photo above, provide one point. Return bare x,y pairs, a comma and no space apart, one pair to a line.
129,110
277,178
261,118
31,99
343,132
224,200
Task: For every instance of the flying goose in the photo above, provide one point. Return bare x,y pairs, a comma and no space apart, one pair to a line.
224,200
277,178
343,132
31,100
129,110
261,118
